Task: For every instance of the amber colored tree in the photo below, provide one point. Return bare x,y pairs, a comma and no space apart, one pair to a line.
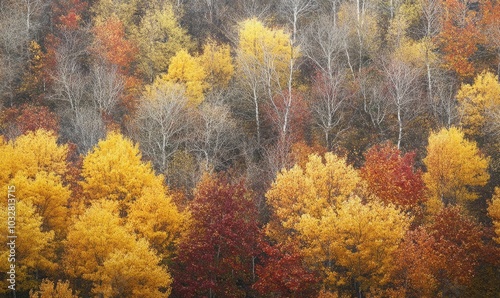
416,261
34,251
104,258
217,255
454,165
459,37
478,104
392,176
188,70
49,289
117,161
324,183
353,245
217,62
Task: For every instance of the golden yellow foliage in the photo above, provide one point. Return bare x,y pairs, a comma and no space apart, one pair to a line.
132,273
33,247
494,212
453,164
50,290
100,250
32,153
155,217
159,37
217,62
354,241
261,48
188,70
114,170
49,196
476,101
321,186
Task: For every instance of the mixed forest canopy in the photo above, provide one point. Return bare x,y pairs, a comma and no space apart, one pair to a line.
288,148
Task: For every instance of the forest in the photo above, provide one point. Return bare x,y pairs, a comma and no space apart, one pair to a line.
250,148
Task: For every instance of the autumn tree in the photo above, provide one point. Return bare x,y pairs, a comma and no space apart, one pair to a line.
392,176
117,160
34,251
353,244
265,64
187,70
459,37
453,164
159,37
217,62
106,259
162,122
478,104
217,255
282,272
49,289
324,183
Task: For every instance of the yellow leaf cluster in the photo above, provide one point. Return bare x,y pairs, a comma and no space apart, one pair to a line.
358,237
188,70
322,185
476,100
217,62
99,249
34,250
262,48
159,37
453,164
50,290
117,161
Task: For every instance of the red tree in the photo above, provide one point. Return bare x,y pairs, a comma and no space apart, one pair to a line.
392,177
217,256
282,274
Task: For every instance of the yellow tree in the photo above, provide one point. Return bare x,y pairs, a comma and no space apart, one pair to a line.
478,103
32,153
188,70
49,196
34,254
159,37
108,260
114,170
50,290
322,184
217,62
155,217
265,63
453,164
354,243
494,212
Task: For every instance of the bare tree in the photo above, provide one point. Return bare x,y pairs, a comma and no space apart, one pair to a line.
403,87
215,137
294,10
107,87
161,123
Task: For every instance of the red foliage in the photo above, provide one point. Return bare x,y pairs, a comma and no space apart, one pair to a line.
296,118
112,46
282,274
459,37
68,13
28,118
216,258
459,240
392,177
